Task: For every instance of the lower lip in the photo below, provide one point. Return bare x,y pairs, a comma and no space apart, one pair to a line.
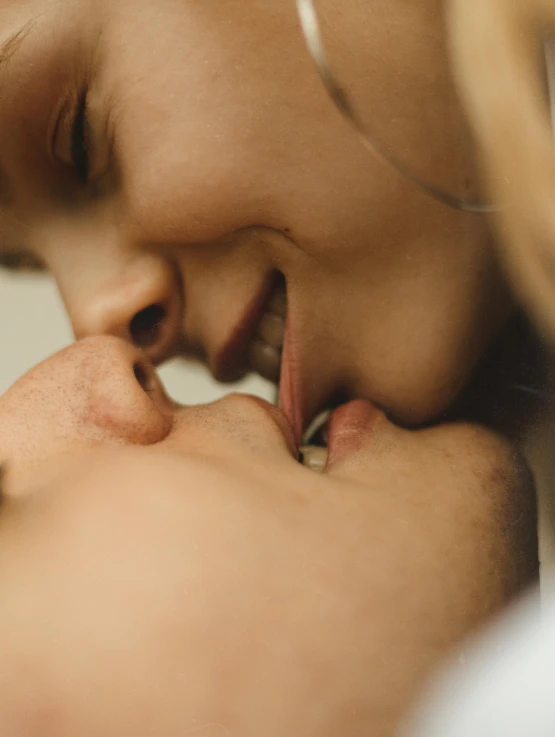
280,420
350,427
289,399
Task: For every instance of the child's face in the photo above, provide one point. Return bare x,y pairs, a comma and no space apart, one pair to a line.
208,156
167,571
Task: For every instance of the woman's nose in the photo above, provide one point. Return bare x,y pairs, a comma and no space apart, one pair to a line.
99,389
139,302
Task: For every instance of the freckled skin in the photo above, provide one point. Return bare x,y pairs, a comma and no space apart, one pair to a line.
193,576
218,158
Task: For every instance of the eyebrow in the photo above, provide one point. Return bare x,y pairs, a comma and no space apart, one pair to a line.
13,43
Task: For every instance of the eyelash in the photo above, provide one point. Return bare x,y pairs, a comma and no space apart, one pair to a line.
80,141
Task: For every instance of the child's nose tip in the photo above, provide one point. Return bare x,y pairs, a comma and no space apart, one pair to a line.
142,307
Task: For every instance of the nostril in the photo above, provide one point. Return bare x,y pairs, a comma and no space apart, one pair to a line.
147,326
144,377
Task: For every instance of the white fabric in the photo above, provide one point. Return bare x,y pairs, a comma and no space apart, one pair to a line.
507,686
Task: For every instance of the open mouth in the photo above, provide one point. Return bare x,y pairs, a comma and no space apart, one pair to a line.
313,453
266,356
266,347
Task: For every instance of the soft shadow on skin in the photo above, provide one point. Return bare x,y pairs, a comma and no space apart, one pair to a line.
510,388
195,574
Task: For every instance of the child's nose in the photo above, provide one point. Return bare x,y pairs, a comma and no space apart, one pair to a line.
141,304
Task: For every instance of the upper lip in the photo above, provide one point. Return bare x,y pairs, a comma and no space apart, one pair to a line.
279,420
229,363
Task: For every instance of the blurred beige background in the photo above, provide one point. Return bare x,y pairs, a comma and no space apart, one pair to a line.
34,325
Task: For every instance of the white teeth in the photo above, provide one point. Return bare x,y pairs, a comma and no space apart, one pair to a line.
272,330
316,425
314,457
278,303
265,350
265,360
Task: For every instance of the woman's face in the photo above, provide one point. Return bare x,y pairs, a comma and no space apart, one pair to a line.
168,570
165,160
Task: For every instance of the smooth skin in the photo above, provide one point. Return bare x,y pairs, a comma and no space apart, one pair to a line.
215,158
169,570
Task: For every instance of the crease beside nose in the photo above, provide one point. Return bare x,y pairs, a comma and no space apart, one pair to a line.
141,304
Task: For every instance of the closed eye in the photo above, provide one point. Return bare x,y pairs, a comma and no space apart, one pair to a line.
80,140
20,261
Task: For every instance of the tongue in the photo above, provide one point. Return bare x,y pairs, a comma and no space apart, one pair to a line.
289,400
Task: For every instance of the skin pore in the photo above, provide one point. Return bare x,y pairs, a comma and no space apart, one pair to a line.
165,160
169,570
